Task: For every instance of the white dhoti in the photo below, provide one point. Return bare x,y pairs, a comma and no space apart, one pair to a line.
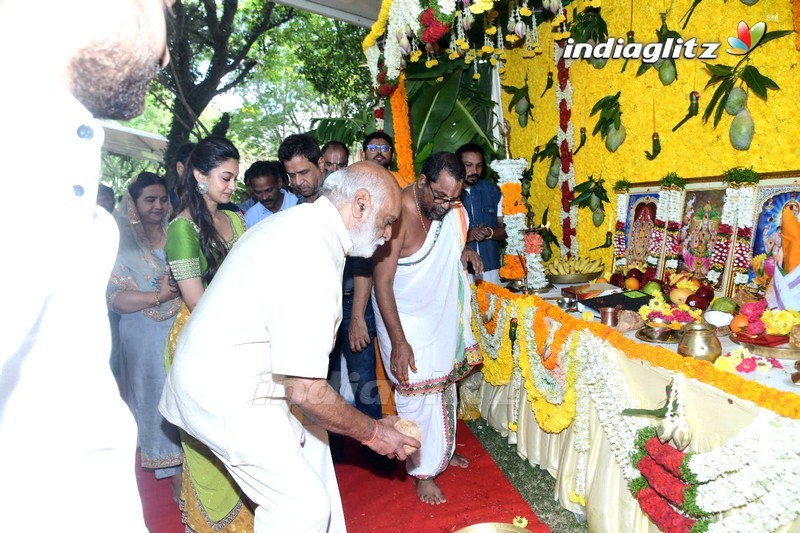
433,301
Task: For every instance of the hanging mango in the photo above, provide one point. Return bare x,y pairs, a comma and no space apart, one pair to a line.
520,102
694,109
656,148
583,141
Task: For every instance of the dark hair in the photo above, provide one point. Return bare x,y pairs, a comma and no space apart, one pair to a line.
102,188
470,148
145,179
182,156
300,144
443,162
209,153
336,144
265,168
377,135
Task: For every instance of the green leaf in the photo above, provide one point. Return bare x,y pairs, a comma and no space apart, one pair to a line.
757,82
644,67
721,71
723,89
428,118
772,35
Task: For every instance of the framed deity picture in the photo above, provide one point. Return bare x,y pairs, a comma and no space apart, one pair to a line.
772,197
701,216
640,228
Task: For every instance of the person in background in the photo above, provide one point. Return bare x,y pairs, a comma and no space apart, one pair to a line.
302,159
67,440
265,178
424,324
142,292
181,159
198,240
105,198
378,146
335,155
252,384
484,204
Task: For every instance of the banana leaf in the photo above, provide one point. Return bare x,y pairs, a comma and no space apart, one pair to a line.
431,108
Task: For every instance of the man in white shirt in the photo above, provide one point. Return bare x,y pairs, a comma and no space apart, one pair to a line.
248,372
67,440
265,179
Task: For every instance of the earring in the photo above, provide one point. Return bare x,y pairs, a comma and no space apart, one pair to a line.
202,188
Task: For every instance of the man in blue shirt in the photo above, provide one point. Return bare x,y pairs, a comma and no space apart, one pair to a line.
265,179
484,204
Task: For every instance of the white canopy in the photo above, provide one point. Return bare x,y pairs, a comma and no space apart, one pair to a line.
121,140
358,12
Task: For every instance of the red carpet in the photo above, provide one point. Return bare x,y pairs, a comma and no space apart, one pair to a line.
388,502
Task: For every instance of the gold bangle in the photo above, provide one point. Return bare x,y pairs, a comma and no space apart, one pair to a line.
157,300
491,233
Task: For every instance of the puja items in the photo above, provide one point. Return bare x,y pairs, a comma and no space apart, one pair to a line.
698,341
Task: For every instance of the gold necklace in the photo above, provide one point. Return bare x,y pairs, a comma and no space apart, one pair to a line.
419,212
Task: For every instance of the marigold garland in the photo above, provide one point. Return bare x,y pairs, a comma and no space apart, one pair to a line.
402,133
512,199
378,27
512,267
785,404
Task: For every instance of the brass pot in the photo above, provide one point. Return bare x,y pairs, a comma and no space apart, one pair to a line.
698,341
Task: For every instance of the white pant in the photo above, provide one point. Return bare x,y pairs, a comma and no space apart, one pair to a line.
295,493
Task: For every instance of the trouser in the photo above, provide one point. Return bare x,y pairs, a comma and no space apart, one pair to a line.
294,492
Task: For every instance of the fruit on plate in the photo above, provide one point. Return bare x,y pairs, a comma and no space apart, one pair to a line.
678,296
632,284
704,291
697,302
561,266
636,273
726,305
652,288
739,323
617,279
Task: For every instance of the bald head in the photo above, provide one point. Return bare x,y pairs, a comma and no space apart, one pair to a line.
368,199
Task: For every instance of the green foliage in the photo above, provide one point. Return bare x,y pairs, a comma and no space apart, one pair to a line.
622,186
610,114
591,193
741,176
117,170
662,34
588,24
673,180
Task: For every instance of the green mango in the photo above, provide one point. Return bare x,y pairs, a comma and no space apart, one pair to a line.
551,180
615,137
742,130
523,120
737,100
658,63
594,202
522,105
598,216
598,63
667,73
749,2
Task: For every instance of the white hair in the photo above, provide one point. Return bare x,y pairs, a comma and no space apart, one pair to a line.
341,187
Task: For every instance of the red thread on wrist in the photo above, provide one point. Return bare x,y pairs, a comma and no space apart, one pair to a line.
374,434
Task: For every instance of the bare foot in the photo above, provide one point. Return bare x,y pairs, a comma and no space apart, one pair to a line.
459,460
429,492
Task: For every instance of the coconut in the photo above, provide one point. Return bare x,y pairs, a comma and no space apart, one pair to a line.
737,100
410,429
667,73
742,130
615,137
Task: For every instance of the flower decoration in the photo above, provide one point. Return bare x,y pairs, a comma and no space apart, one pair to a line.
565,139
520,521
675,316
434,29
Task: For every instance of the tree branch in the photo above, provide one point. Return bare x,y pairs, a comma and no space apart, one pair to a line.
247,66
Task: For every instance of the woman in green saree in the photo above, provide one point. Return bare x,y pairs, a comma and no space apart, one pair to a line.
198,239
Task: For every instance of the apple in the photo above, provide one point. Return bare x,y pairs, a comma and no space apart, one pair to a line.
697,302
636,273
704,291
617,279
652,288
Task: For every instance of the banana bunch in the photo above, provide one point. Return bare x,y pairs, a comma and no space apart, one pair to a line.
561,266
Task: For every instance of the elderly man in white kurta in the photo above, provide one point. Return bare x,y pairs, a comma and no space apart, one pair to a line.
423,294
252,361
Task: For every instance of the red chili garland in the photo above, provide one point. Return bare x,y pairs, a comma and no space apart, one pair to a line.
564,117
663,515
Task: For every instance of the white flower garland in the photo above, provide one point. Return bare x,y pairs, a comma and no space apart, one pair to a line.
447,7
587,344
741,250
510,171
535,278
402,14
490,343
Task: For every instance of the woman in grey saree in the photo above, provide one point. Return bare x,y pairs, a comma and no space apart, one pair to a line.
141,290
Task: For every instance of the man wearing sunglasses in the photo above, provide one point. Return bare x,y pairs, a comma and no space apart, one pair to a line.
379,147
423,295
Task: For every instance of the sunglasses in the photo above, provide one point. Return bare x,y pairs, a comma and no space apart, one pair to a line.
378,147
